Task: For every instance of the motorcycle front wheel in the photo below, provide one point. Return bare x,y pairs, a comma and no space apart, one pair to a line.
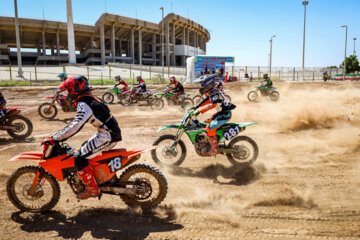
108,98
164,155
25,197
187,103
150,184
23,127
252,96
245,150
47,110
274,96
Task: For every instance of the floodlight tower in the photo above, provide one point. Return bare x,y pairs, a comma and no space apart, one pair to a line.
305,3
346,30
271,39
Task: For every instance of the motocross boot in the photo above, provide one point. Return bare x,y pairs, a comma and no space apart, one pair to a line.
213,140
92,189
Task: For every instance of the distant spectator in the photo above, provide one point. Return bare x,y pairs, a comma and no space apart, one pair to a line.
206,70
251,76
226,77
221,72
325,76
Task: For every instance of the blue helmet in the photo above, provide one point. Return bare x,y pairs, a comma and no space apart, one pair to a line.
208,84
62,76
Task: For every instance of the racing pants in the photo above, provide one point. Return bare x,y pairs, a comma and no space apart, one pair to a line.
97,144
217,121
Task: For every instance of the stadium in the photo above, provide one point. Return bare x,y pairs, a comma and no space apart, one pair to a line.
113,38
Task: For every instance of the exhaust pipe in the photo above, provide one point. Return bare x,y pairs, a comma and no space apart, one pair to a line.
119,190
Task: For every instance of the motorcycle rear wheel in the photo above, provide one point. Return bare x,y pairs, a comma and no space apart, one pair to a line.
44,111
18,186
252,96
245,154
151,193
156,103
21,123
197,99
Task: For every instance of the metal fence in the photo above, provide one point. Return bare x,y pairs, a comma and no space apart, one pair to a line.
157,74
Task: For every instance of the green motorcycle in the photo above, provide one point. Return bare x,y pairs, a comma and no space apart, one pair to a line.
264,91
108,97
171,149
157,102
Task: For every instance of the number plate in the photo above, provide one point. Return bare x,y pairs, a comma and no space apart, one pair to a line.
232,132
115,164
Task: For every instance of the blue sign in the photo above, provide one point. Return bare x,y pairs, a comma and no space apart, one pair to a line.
214,59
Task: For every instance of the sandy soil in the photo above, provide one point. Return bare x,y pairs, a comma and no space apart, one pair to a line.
304,185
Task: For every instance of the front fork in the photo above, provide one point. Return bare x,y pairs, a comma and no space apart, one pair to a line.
39,179
178,135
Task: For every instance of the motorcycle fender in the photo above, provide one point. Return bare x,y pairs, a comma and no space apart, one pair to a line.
177,126
27,156
44,98
245,124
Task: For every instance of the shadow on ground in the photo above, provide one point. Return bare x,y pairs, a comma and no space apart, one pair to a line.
234,175
103,223
7,141
65,120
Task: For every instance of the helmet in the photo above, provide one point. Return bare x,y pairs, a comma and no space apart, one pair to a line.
117,78
207,85
266,75
62,76
76,86
138,78
172,79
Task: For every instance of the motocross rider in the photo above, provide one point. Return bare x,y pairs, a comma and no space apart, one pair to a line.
178,89
267,83
141,86
214,97
89,109
68,101
62,76
118,79
2,101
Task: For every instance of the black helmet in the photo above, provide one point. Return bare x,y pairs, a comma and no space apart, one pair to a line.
207,85
138,78
266,75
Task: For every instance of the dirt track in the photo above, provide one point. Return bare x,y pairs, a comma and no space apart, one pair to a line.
304,185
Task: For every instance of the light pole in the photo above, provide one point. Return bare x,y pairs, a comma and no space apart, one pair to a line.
19,62
354,47
271,39
305,3
346,27
162,41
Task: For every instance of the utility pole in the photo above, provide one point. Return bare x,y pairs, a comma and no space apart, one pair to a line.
305,3
271,39
162,41
19,61
354,47
346,30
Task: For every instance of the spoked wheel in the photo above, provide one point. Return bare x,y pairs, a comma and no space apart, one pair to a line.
150,184
187,103
23,127
228,98
245,150
166,154
156,103
25,197
127,100
252,96
108,98
47,110
197,99
274,96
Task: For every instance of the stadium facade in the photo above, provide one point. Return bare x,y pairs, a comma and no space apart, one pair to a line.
113,39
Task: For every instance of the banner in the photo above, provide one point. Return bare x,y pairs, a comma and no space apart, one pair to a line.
214,59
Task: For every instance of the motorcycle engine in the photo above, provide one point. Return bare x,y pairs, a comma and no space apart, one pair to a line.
75,183
202,144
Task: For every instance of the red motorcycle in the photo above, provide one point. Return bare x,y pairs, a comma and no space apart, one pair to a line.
17,126
36,188
49,110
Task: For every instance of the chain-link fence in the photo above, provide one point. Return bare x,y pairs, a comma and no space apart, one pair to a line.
157,74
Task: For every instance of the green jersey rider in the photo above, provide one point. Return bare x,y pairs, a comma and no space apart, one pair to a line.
267,84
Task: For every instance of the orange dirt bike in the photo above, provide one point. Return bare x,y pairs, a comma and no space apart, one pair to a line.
49,110
36,188
17,126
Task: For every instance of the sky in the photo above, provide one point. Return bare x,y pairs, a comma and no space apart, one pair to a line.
239,28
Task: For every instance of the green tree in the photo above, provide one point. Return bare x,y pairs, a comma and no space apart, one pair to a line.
352,64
